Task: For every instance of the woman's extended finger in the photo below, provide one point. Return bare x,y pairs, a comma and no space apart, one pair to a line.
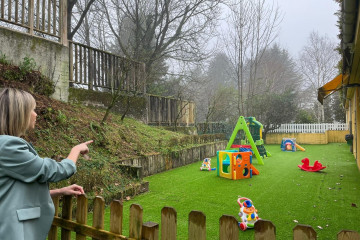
88,142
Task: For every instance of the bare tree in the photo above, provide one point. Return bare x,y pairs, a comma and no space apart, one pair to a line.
118,75
153,31
253,27
73,26
318,63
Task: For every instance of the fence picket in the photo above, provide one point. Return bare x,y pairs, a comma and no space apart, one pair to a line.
168,223
197,225
265,230
99,212
150,231
66,214
348,235
229,228
116,216
136,221
304,232
53,230
81,214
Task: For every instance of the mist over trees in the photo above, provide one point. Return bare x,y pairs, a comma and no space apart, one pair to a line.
246,72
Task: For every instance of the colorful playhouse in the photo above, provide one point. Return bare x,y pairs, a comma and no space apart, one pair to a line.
237,164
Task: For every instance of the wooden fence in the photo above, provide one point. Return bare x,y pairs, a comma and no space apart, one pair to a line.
100,70
167,111
310,128
37,16
228,225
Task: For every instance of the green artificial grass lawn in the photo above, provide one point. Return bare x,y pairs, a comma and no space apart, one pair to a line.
329,200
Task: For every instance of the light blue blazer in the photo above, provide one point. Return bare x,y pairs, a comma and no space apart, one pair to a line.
26,208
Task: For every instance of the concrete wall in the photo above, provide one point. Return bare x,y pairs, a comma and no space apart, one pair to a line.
159,163
308,138
52,58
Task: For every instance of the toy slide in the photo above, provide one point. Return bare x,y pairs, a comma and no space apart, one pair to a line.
299,147
306,167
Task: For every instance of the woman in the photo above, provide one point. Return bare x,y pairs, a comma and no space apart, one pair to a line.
26,208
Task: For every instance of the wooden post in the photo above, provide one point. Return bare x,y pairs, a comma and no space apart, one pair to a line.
53,230
168,223
99,212
116,216
63,24
197,225
264,229
150,231
136,221
143,80
229,228
71,64
304,232
66,214
348,235
31,17
81,214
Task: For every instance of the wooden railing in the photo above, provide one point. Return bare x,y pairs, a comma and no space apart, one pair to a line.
228,228
37,16
165,111
99,70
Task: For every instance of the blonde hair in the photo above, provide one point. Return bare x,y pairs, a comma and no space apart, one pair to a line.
15,111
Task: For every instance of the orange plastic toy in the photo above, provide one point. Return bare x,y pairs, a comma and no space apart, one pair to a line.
306,167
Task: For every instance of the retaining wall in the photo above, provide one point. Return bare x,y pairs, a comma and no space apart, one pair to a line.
153,164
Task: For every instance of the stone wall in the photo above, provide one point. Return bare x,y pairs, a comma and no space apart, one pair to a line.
52,58
159,163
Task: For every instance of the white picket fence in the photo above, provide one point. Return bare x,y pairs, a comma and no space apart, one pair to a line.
310,128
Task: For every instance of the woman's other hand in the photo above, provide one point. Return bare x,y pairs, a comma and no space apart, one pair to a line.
74,190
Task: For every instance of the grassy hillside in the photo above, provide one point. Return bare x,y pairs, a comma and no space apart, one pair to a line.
60,126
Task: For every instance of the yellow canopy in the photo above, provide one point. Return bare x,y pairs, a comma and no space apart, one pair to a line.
331,87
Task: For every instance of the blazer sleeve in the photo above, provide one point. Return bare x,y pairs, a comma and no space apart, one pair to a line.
18,161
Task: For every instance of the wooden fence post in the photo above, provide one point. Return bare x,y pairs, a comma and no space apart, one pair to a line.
168,223
66,214
304,232
150,231
63,24
348,235
229,228
53,230
264,230
99,212
31,17
81,214
197,225
116,217
136,221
